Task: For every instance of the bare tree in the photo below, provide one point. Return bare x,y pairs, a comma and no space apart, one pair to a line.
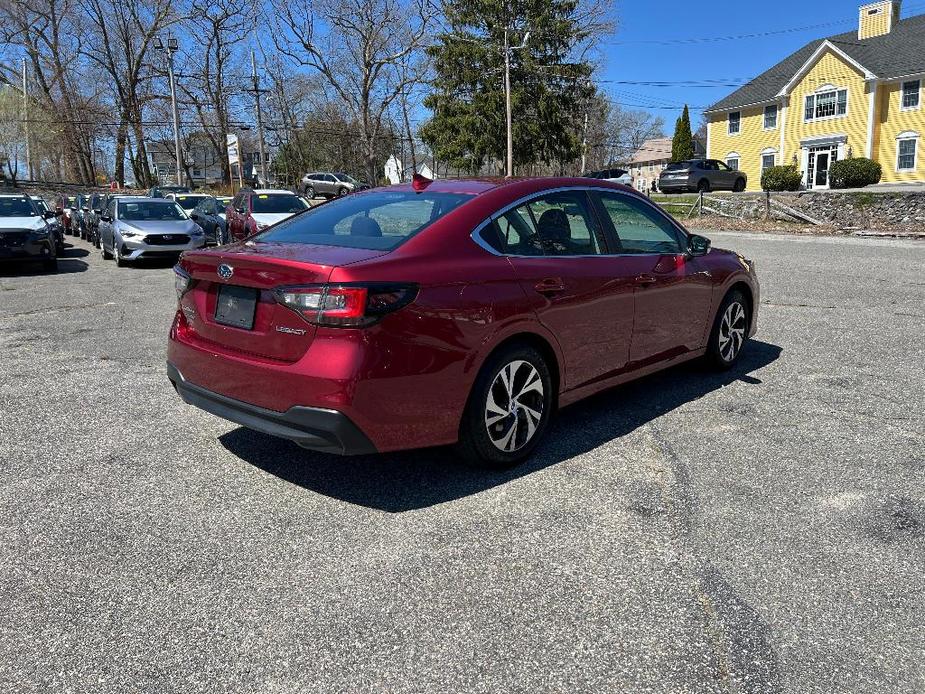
219,28
45,32
365,50
122,34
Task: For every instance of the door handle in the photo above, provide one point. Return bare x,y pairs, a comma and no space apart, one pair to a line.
550,285
645,280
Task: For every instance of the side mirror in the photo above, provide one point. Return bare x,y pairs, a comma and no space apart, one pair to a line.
85,209
97,211
49,214
698,245
105,218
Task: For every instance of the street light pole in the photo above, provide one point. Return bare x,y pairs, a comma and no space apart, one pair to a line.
170,48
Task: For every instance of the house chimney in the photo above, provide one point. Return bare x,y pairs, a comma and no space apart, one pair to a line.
878,18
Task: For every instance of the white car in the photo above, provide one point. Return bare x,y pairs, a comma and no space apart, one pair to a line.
25,233
612,175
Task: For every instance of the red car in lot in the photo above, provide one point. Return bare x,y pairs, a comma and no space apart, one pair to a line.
450,312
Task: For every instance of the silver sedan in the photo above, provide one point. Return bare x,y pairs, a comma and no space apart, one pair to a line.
135,228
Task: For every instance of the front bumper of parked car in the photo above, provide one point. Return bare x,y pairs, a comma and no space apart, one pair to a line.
26,245
158,245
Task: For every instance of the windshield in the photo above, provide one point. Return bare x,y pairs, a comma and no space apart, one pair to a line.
346,179
16,207
150,211
380,221
278,204
188,202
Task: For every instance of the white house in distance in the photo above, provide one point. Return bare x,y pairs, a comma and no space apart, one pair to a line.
650,160
395,171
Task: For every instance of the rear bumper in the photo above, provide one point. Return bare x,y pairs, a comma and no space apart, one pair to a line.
314,428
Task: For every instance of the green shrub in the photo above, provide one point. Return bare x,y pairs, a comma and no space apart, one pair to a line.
854,173
779,178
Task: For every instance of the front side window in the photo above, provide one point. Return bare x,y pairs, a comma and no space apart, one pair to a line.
735,122
379,221
770,117
912,92
906,154
639,228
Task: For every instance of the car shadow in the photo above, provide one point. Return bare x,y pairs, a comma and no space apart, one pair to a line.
69,262
396,482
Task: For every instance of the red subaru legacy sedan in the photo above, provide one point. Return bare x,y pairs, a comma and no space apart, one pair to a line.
457,312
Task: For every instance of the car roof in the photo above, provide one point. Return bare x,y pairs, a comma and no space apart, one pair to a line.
141,198
272,191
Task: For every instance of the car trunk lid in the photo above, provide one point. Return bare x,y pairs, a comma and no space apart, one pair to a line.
231,303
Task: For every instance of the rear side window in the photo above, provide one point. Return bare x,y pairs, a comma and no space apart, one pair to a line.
639,228
380,220
559,224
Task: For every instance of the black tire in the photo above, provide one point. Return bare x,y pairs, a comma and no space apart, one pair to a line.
739,185
722,337
341,192
310,192
476,445
103,252
115,252
703,186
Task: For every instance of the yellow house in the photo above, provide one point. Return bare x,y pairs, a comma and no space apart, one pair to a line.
856,94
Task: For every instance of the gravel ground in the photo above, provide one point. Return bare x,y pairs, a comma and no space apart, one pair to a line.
759,531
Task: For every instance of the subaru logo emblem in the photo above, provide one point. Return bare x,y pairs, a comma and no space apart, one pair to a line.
225,271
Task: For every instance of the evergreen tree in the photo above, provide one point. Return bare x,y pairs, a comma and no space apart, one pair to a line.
682,144
549,88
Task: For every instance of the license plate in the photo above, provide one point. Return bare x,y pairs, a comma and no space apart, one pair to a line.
236,306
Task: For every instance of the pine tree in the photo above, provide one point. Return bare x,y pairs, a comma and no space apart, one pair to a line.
548,88
682,144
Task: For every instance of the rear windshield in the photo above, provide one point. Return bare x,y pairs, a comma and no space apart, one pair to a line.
150,211
380,221
677,166
279,203
16,207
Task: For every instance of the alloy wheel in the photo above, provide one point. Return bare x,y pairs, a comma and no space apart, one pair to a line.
514,406
732,331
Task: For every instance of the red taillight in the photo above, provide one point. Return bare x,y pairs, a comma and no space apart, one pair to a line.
346,305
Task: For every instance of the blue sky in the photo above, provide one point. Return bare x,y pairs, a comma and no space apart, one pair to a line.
629,58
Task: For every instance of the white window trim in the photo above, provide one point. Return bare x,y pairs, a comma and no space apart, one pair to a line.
767,152
902,94
729,124
764,116
827,89
909,135
733,155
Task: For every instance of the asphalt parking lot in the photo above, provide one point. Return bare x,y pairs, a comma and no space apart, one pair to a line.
758,531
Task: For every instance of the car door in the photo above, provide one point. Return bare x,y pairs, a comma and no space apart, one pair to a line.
556,248
726,177
106,224
673,291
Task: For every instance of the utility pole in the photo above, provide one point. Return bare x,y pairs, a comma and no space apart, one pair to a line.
25,120
257,92
170,48
507,94
584,145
